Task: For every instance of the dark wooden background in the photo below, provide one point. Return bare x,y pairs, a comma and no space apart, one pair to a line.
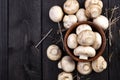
22,25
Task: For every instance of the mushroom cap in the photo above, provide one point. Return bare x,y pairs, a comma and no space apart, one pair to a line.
98,41
84,50
69,20
84,68
87,3
86,38
97,2
67,64
91,2
56,13
72,41
83,27
71,6
99,64
54,52
101,21
93,11
81,16
65,76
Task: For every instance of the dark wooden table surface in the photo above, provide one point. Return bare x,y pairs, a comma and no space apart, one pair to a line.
22,25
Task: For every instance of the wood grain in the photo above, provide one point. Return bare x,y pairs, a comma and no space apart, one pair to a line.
23,23
114,49
3,40
24,28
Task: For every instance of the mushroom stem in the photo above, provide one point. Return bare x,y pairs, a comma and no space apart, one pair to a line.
54,52
86,67
59,65
66,78
83,57
84,51
104,65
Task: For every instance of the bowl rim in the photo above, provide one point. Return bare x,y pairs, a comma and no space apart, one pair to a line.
99,51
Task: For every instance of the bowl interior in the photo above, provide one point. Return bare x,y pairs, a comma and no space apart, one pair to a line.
95,28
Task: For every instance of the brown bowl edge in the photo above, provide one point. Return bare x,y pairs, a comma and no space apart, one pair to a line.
100,51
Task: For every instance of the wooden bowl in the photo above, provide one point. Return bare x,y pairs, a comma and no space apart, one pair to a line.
96,28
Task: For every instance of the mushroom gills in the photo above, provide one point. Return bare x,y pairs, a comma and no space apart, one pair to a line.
65,76
84,68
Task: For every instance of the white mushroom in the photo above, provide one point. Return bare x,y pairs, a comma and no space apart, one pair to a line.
99,64
65,76
56,13
69,20
91,2
83,27
71,6
72,41
98,41
81,16
67,64
101,21
84,52
54,52
93,11
86,38
84,68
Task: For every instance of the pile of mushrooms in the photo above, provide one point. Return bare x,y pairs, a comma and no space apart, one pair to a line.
84,42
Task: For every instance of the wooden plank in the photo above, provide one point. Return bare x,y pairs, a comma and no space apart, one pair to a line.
24,26
3,40
50,70
114,63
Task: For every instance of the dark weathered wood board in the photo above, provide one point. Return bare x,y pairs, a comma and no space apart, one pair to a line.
24,26
22,21
3,40
114,64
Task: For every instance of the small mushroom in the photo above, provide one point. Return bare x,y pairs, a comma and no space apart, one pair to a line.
84,52
71,6
56,13
54,52
67,64
98,41
84,68
91,2
86,38
99,64
81,16
72,41
83,27
69,20
93,11
101,21
65,76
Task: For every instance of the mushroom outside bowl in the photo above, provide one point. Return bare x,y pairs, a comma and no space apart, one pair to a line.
96,28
